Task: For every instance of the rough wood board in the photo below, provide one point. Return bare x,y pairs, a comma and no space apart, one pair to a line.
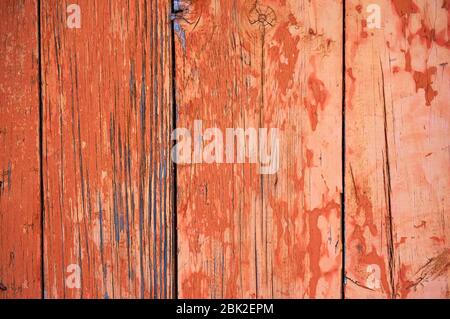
107,123
398,156
20,212
242,234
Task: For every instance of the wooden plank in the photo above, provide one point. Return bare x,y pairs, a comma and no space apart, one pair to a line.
20,208
397,135
265,64
107,123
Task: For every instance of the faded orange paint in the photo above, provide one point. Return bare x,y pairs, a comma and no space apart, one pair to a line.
270,65
107,172
20,212
397,160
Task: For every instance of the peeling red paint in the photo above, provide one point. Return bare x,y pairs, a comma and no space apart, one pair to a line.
404,284
364,33
258,236
379,190
20,205
401,242
405,7
408,67
424,80
309,158
319,95
286,45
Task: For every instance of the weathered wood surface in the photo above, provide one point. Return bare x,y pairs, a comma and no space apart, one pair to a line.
20,210
107,172
397,155
108,177
264,64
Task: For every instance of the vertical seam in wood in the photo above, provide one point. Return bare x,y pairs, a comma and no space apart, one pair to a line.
388,191
174,165
41,124
343,276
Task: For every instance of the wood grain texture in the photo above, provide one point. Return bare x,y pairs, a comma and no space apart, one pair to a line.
20,212
108,178
398,156
264,64
107,122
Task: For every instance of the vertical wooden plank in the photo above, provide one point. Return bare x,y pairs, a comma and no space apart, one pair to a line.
261,64
20,212
398,127
107,123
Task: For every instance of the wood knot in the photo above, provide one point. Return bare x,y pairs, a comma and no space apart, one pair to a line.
262,15
185,11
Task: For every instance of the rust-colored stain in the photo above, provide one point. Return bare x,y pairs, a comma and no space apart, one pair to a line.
92,205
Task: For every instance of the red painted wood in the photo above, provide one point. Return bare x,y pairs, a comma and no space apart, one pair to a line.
397,136
266,65
108,179
107,171
20,212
